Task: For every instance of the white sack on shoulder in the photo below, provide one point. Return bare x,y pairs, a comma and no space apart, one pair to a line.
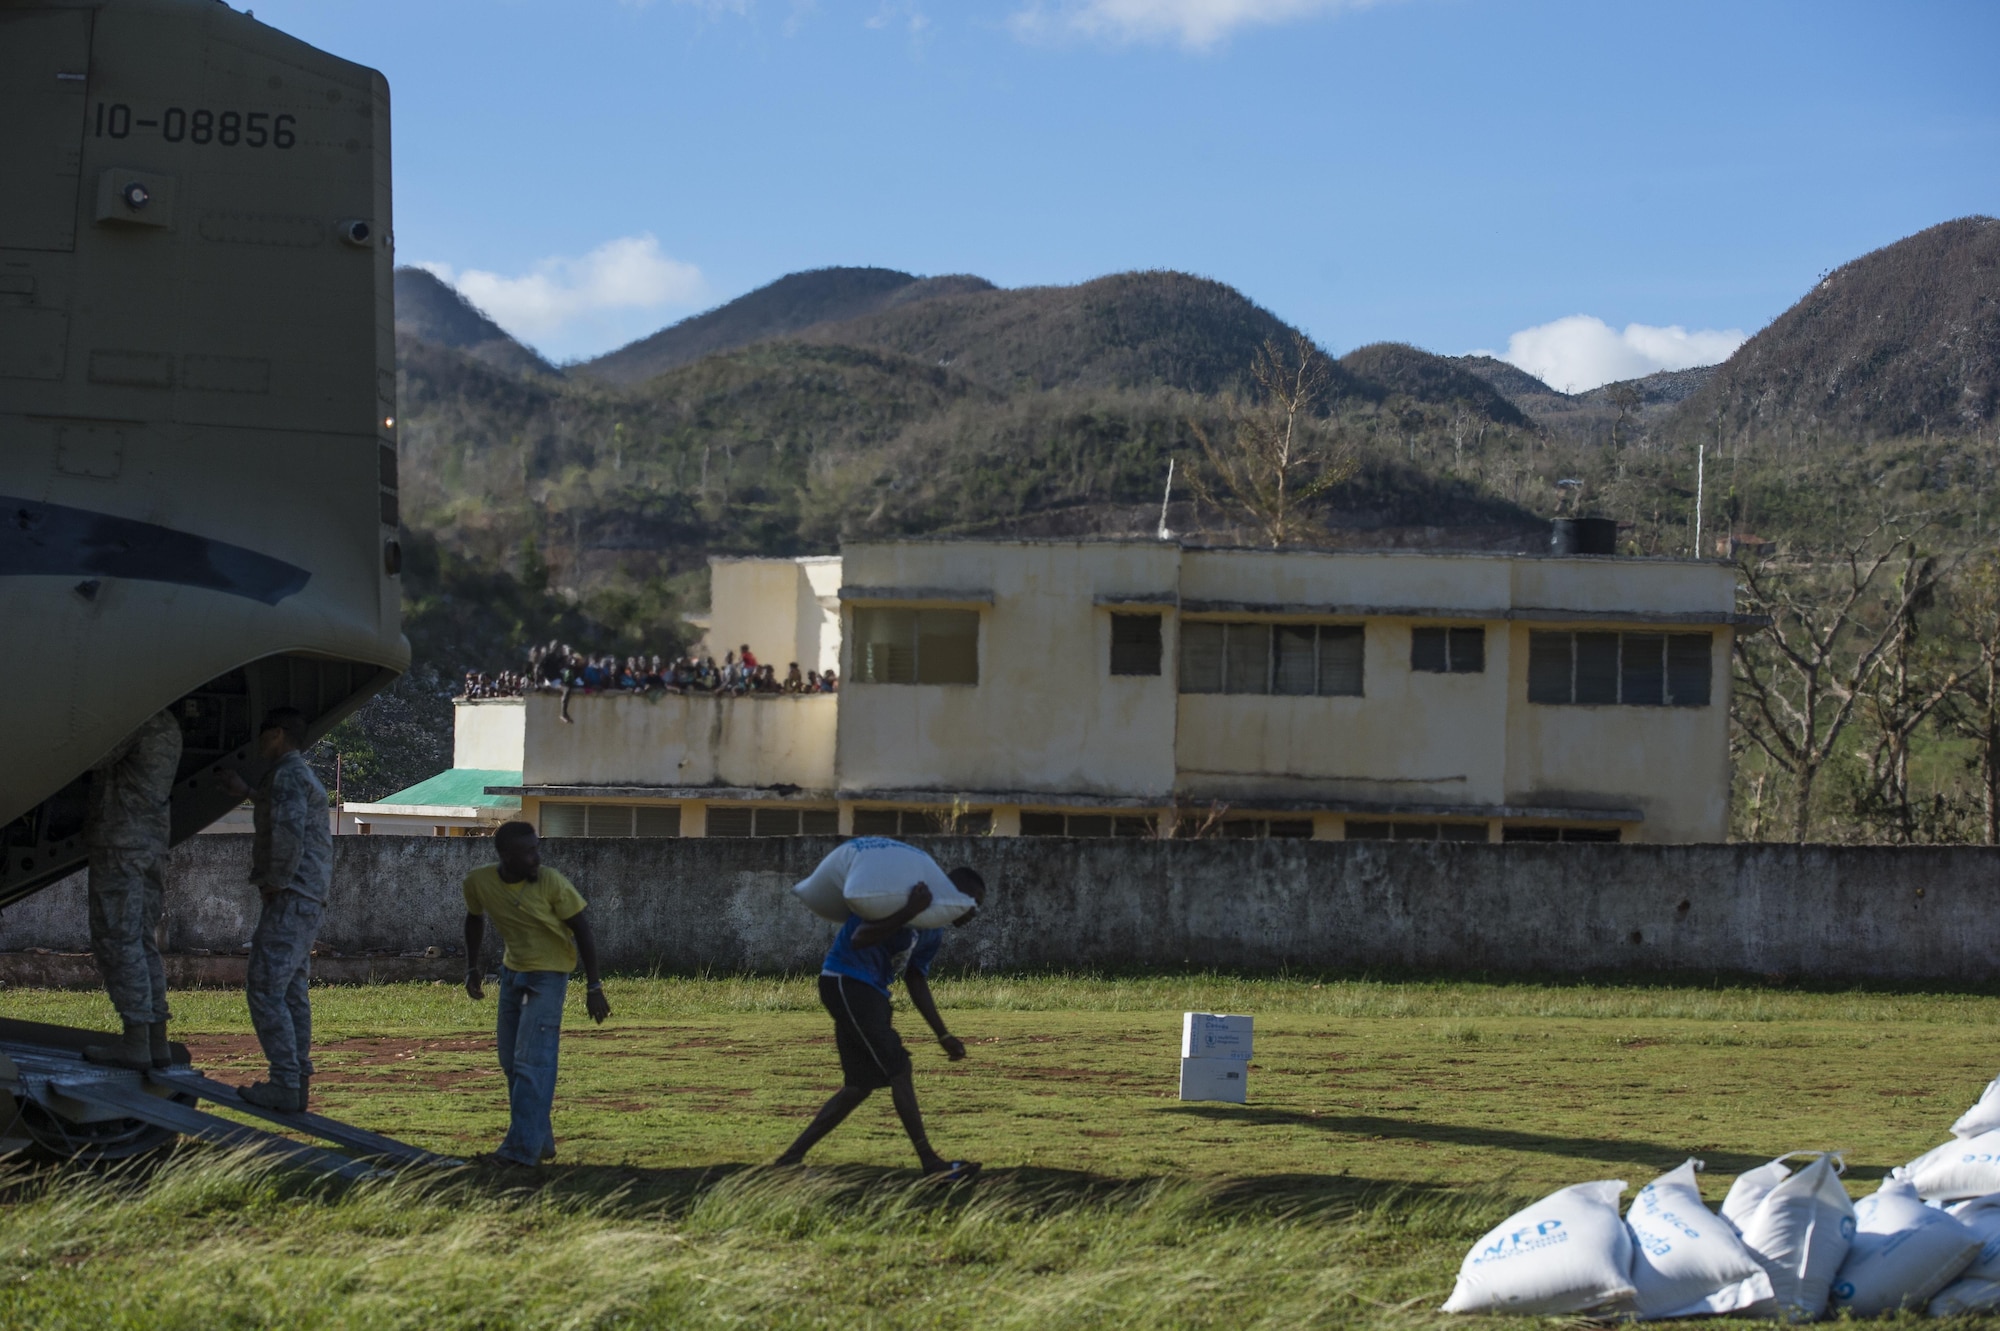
872,877
1686,1261
1568,1253
1963,1167
1903,1252
1800,1231
1983,1117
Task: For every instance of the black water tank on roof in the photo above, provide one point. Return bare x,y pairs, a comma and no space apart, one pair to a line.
1583,536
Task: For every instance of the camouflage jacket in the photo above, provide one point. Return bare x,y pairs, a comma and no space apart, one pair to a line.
130,790
293,846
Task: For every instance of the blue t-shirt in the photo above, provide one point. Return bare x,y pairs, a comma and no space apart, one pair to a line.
886,962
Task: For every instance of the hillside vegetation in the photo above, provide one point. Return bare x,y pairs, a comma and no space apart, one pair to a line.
854,403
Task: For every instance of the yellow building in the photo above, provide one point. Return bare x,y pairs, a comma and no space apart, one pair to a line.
1146,688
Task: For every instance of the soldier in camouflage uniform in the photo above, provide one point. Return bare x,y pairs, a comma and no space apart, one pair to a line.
125,832
292,865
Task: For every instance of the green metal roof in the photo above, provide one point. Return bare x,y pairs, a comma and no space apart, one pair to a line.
460,787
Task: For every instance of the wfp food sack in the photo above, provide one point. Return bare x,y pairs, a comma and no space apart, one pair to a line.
1977,1288
1568,1253
1799,1227
1983,1117
1966,1167
872,877
1903,1252
1685,1261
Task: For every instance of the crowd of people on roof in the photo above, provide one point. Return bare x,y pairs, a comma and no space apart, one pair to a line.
557,668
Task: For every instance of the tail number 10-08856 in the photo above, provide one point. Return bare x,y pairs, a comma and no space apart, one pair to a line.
248,129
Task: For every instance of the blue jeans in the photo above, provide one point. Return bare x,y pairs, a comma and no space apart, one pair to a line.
276,983
531,1008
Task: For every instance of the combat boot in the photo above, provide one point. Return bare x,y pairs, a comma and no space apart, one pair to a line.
134,1050
270,1095
162,1052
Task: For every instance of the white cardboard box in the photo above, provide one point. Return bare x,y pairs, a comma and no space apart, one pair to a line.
1213,1035
1225,1079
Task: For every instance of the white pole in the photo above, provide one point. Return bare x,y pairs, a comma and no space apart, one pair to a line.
1165,534
1700,467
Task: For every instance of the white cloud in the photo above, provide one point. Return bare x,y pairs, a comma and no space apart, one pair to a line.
1580,352
1196,24
603,289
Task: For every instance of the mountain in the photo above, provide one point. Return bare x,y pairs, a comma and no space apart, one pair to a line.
1902,341
1128,330
1400,368
787,306
429,310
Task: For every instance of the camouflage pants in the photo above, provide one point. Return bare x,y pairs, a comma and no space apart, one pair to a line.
127,893
276,984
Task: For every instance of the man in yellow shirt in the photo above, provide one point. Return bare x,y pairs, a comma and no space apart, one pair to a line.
539,914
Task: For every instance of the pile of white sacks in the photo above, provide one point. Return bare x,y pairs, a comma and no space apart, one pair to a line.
1788,1244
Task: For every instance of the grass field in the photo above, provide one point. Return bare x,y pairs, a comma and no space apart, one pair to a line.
1389,1125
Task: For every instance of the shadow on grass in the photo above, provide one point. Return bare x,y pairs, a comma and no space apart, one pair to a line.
1655,1154
671,1194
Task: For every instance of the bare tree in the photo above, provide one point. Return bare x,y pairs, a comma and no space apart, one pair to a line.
1800,680
1916,678
1973,604
1283,456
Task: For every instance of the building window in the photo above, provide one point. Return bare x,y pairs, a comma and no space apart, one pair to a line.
1570,834
1447,651
734,820
646,820
1135,644
1632,669
922,822
1307,660
1298,829
916,646
1086,824
1358,830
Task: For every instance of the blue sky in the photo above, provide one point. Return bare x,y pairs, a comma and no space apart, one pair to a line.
1596,188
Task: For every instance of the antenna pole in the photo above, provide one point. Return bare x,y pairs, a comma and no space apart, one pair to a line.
1700,475
1164,533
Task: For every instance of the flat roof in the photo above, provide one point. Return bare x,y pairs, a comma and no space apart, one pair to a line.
1198,547
458,788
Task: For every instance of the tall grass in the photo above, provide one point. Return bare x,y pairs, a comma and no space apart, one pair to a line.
211,1240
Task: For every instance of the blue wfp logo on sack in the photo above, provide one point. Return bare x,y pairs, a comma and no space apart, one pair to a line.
1532,1239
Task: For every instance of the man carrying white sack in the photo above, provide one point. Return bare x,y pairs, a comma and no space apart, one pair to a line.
867,956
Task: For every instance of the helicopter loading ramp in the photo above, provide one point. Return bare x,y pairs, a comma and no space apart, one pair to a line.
65,1106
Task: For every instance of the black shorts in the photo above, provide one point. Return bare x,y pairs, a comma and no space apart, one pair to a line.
871,1053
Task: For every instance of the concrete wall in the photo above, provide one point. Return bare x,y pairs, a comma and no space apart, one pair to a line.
1814,911
785,609
628,739
1047,714
489,733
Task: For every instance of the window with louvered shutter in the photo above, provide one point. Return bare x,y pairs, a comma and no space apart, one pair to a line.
1551,667
607,820
1297,673
1642,669
1201,657
774,822
1596,668
1135,644
1689,669
1468,651
562,820
947,647
1246,651
656,820
1340,654
730,820
1428,651
876,822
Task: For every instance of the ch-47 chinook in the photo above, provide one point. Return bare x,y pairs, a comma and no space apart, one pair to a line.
197,456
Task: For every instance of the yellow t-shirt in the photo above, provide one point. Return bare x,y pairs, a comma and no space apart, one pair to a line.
529,916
